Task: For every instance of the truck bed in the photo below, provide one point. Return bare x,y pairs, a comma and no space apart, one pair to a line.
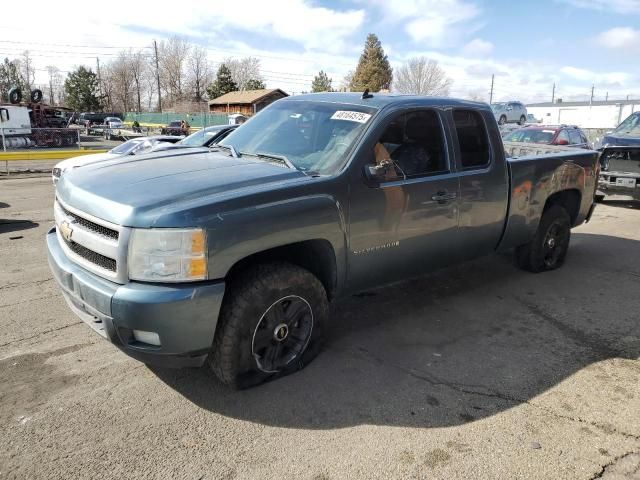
534,178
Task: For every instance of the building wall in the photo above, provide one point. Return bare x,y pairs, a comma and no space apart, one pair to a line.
584,116
247,108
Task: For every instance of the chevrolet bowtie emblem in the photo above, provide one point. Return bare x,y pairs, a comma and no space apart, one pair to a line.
66,231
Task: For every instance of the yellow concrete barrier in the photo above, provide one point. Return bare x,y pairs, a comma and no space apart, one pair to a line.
46,155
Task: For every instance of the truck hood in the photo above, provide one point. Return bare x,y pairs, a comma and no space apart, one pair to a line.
622,139
139,191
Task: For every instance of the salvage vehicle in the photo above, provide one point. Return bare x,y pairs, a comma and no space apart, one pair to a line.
620,173
27,125
137,146
206,137
231,257
566,135
625,134
509,112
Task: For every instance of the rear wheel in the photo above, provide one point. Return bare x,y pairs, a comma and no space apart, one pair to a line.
523,120
503,120
271,324
548,249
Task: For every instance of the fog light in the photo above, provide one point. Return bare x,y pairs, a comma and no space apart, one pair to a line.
151,338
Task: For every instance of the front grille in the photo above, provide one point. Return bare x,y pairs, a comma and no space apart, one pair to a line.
91,256
91,226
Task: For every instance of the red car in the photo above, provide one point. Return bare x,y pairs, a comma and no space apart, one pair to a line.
569,135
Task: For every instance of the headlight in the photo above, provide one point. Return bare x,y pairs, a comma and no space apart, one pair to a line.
167,255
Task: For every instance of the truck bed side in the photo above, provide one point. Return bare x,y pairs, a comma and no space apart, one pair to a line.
568,177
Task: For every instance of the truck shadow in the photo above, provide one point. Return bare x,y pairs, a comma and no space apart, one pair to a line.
630,204
8,226
455,346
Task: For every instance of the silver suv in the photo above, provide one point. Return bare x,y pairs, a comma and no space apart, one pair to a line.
509,112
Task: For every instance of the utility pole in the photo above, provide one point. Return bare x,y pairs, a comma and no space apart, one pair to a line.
99,78
606,98
491,92
553,92
155,46
592,89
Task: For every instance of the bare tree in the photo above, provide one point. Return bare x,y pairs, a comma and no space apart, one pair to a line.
421,76
345,85
173,54
53,72
139,65
244,70
27,70
200,73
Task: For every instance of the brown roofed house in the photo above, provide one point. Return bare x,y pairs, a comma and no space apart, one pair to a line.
246,102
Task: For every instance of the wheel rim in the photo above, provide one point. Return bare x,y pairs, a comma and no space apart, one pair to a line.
282,334
554,244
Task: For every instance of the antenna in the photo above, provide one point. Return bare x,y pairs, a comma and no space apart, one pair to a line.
366,94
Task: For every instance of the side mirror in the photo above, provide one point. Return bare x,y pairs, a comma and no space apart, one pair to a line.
376,173
562,141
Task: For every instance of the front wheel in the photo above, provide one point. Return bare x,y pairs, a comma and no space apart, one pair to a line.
503,120
271,324
548,249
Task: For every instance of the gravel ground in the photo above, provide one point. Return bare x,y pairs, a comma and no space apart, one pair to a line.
478,371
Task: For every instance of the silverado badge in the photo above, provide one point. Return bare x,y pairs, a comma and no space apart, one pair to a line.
66,231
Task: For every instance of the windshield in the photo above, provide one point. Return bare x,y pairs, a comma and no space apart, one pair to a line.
631,123
531,135
312,136
126,147
497,106
200,138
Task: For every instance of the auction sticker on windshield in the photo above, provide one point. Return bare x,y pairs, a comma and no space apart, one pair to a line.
359,117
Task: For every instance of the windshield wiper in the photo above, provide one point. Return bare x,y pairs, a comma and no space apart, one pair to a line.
272,156
232,150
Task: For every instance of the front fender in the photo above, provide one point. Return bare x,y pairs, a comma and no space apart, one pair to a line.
238,234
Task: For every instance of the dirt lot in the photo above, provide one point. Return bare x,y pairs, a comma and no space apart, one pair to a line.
479,371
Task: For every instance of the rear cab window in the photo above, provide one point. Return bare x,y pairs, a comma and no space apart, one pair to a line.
473,141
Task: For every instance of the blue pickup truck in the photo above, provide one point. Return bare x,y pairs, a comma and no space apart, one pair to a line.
231,256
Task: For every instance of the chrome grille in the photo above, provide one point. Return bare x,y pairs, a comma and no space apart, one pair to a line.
95,244
91,226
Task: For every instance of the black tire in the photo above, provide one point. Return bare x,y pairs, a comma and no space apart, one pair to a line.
15,95
503,120
36,95
57,140
523,120
249,327
548,249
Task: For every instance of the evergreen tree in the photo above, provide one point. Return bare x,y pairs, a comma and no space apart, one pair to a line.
255,84
223,83
81,87
10,77
321,83
373,70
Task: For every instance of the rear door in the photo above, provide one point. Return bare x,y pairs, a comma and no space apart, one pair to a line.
484,182
407,223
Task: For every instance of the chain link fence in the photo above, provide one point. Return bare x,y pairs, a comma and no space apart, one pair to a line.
195,120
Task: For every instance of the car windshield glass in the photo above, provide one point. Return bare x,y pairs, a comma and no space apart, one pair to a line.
125,148
497,106
311,136
632,123
530,135
199,139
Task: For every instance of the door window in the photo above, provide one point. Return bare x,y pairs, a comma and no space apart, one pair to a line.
472,139
574,137
413,146
4,115
563,135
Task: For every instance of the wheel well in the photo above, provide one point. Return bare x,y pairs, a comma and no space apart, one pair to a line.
569,199
317,256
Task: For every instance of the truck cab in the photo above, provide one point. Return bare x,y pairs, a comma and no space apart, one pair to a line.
14,120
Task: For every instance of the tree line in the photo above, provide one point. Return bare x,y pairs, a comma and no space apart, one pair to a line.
181,76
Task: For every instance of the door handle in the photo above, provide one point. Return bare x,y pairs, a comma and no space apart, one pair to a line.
443,197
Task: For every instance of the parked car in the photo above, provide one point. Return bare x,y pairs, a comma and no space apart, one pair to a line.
136,146
509,112
532,119
176,128
86,119
232,256
625,134
202,138
567,135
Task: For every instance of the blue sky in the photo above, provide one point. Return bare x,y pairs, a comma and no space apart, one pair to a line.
528,45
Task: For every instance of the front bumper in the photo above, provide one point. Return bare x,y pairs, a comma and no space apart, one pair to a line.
183,315
609,183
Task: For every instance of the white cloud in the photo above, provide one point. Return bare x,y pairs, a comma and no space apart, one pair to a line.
577,73
620,37
478,47
433,23
615,6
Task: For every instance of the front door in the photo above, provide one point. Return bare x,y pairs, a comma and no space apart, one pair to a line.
407,222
